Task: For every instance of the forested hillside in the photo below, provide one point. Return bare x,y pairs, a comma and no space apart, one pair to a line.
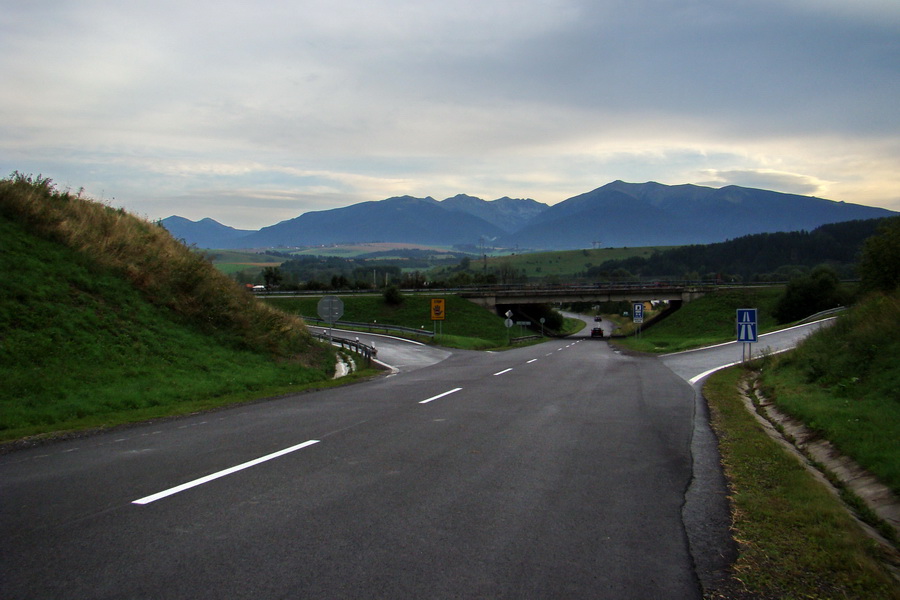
758,257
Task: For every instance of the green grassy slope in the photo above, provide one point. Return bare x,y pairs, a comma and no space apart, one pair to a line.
463,318
844,382
794,538
707,320
128,326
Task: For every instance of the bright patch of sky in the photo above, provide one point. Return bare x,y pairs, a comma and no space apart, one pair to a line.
256,112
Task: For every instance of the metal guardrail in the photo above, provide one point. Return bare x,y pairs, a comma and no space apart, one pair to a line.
370,326
368,352
823,314
526,338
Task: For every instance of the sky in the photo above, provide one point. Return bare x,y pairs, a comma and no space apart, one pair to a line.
255,112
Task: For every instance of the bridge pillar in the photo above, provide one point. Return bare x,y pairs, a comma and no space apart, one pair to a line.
691,294
488,302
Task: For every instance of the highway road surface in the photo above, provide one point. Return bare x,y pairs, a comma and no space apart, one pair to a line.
560,470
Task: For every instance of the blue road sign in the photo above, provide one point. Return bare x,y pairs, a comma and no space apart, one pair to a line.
746,326
638,312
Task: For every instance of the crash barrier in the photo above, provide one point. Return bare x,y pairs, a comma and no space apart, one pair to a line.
369,326
525,338
821,315
368,352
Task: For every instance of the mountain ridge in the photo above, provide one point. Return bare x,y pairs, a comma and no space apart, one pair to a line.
616,214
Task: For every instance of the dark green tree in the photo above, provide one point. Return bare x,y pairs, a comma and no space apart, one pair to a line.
393,296
272,277
809,294
879,264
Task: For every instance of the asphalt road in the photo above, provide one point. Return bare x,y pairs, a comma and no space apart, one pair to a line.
560,470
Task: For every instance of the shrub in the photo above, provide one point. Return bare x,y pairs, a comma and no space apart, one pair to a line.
879,265
393,296
809,294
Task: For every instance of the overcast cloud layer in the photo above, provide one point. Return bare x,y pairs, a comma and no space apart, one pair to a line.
255,112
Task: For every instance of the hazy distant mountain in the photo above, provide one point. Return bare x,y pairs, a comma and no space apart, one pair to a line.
652,214
509,214
205,233
401,219
617,214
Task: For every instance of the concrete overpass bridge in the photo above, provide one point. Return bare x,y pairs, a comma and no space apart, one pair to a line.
490,297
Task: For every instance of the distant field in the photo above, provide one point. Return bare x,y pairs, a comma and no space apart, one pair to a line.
568,262
230,261
536,265
230,268
354,250
235,256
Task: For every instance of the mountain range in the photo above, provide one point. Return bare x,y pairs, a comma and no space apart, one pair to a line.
616,214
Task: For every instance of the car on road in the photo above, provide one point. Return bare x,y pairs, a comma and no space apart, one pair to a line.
596,332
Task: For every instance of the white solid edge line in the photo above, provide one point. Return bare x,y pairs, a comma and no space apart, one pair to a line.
697,378
392,337
229,471
447,393
762,335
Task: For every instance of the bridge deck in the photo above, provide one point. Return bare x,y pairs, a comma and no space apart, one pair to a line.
491,297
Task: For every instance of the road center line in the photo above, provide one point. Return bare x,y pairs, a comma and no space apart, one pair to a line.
447,393
503,371
531,361
229,471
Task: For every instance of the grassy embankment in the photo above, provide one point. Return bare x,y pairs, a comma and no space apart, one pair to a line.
466,326
794,538
707,320
105,319
844,383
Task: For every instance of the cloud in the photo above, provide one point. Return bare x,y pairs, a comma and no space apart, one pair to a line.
768,180
322,103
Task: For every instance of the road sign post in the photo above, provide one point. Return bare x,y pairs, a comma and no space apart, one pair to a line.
638,315
437,309
330,308
747,331
438,313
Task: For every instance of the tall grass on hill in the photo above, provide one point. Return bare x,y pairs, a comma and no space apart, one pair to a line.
844,383
105,320
164,270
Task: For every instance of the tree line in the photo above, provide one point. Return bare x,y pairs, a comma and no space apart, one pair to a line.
751,258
